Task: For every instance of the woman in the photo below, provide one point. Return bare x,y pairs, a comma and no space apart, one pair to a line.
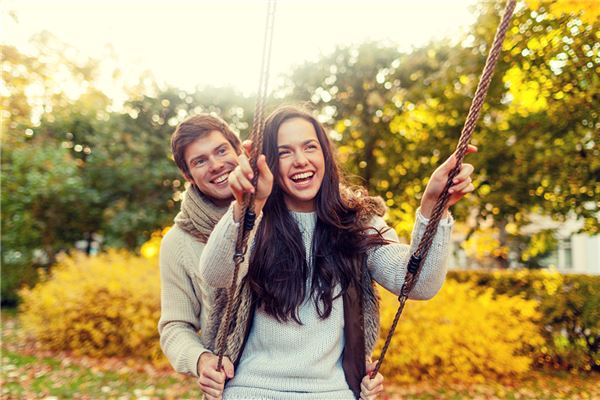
315,250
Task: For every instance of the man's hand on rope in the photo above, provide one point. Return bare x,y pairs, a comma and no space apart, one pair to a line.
370,389
211,381
240,181
461,184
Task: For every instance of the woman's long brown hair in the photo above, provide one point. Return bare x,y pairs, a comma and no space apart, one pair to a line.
278,267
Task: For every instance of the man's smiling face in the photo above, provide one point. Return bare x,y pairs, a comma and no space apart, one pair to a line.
210,159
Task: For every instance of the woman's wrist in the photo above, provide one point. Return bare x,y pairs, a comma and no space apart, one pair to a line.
237,209
427,207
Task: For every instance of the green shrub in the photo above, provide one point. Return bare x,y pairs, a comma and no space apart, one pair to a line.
15,276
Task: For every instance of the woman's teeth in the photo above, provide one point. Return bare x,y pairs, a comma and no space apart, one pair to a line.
302,176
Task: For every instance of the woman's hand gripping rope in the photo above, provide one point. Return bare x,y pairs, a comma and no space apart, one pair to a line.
212,381
461,184
240,181
371,388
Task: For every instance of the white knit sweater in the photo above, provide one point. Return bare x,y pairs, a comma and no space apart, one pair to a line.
292,361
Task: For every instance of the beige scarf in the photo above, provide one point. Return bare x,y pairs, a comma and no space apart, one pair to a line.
198,215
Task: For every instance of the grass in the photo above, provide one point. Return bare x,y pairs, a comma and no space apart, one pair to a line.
538,385
30,374
25,376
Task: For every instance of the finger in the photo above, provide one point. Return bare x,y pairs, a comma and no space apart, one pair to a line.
236,188
449,163
459,195
210,391
364,392
372,394
228,368
217,378
209,382
237,181
367,393
243,181
247,146
245,166
460,187
370,366
377,391
369,384
471,149
378,380
469,189
263,168
465,171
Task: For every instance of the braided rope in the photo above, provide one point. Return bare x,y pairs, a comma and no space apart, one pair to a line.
417,258
248,207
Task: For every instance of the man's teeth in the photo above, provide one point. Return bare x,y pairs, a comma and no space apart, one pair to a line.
221,178
303,175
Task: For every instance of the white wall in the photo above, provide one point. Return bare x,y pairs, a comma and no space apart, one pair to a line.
584,254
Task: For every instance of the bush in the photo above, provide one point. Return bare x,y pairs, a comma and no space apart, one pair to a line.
105,305
15,276
570,308
46,207
461,335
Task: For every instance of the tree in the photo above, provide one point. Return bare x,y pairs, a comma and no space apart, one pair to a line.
42,213
396,116
76,169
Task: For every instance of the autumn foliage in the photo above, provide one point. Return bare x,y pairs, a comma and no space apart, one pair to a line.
487,326
569,306
461,335
104,305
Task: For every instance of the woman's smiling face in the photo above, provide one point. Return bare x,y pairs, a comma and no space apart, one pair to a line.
301,164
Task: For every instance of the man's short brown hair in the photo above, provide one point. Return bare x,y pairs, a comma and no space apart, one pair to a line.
195,127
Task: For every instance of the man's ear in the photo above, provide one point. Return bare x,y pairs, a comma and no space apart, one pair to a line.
188,178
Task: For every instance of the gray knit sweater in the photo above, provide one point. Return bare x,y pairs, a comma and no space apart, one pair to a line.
292,361
185,302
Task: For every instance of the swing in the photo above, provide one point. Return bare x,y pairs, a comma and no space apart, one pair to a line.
417,258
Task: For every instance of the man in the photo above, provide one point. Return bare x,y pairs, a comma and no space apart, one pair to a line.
205,149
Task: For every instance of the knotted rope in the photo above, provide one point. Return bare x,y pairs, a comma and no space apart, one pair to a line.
418,257
248,207
416,260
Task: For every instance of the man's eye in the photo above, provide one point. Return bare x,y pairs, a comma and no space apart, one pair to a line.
222,151
197,163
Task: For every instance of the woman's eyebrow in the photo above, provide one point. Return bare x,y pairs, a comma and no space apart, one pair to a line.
288,146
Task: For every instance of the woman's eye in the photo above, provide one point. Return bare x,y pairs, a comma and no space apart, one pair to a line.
222,151
283,153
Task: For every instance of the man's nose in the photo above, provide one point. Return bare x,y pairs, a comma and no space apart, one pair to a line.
215,164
